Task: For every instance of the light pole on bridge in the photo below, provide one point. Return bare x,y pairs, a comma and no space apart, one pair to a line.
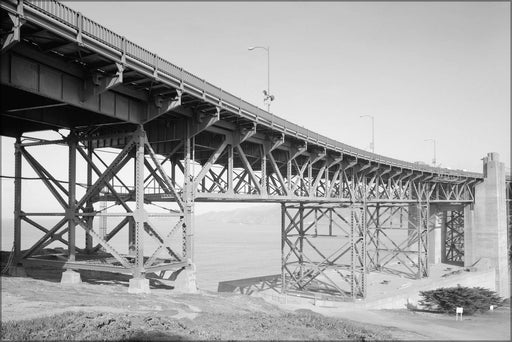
434,161
372,144
268,98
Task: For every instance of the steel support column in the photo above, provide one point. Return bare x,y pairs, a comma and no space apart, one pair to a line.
71,210
140,216
422,233
283,243
89,204
17,200
454,237
188,200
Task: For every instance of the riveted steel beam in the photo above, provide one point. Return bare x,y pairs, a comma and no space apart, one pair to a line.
272,142
207,166
248,168
161,105
99,83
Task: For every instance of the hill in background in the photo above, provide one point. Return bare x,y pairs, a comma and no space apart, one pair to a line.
269,214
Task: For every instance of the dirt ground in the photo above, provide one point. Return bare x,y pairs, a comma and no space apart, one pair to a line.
202,316
27,298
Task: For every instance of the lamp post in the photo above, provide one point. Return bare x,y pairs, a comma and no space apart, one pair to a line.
372,144
268,97
434,161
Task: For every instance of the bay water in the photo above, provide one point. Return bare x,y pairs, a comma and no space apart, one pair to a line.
224,250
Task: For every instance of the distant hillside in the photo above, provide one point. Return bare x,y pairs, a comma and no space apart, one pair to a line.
268,214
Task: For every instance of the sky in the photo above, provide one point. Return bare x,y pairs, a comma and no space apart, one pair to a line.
423,70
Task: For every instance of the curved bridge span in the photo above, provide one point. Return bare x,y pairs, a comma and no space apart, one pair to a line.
187,141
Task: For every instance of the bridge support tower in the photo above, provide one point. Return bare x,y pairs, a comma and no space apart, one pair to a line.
174,243
324,249
485,230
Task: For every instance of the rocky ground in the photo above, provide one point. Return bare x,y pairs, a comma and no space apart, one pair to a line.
34,309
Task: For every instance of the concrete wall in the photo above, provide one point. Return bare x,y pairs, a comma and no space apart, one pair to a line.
485,224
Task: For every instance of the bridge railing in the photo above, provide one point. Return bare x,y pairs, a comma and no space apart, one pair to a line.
224,99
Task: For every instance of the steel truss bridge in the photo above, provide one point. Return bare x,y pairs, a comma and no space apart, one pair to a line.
188,141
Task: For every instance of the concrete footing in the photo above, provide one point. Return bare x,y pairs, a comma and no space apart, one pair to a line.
138,285
70,277
185,280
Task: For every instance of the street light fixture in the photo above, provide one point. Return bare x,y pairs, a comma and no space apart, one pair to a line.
434,161
268,98
372,144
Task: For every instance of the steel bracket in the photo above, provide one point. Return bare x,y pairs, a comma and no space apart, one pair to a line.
100,83
17,19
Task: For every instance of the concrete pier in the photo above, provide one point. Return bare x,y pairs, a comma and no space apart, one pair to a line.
485,224
138,285
70,277
185,279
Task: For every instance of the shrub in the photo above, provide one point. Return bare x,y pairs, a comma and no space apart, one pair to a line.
475,299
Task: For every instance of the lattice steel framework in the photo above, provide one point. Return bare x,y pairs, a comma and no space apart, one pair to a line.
324,249
176,241
454,237
398,238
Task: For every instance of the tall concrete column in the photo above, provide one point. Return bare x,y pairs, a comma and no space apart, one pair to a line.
486,224
469,224
435,236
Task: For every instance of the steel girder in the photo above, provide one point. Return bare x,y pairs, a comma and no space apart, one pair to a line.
324,249
78,211
244,165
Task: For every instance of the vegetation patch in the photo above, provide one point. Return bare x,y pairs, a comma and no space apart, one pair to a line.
302,325
472,300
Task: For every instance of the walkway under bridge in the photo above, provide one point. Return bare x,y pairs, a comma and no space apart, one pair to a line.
179,140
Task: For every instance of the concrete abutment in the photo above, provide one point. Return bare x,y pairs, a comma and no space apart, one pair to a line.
485,224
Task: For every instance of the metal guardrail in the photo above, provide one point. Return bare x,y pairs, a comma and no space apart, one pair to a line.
127,49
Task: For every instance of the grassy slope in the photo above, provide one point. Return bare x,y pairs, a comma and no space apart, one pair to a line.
252,326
